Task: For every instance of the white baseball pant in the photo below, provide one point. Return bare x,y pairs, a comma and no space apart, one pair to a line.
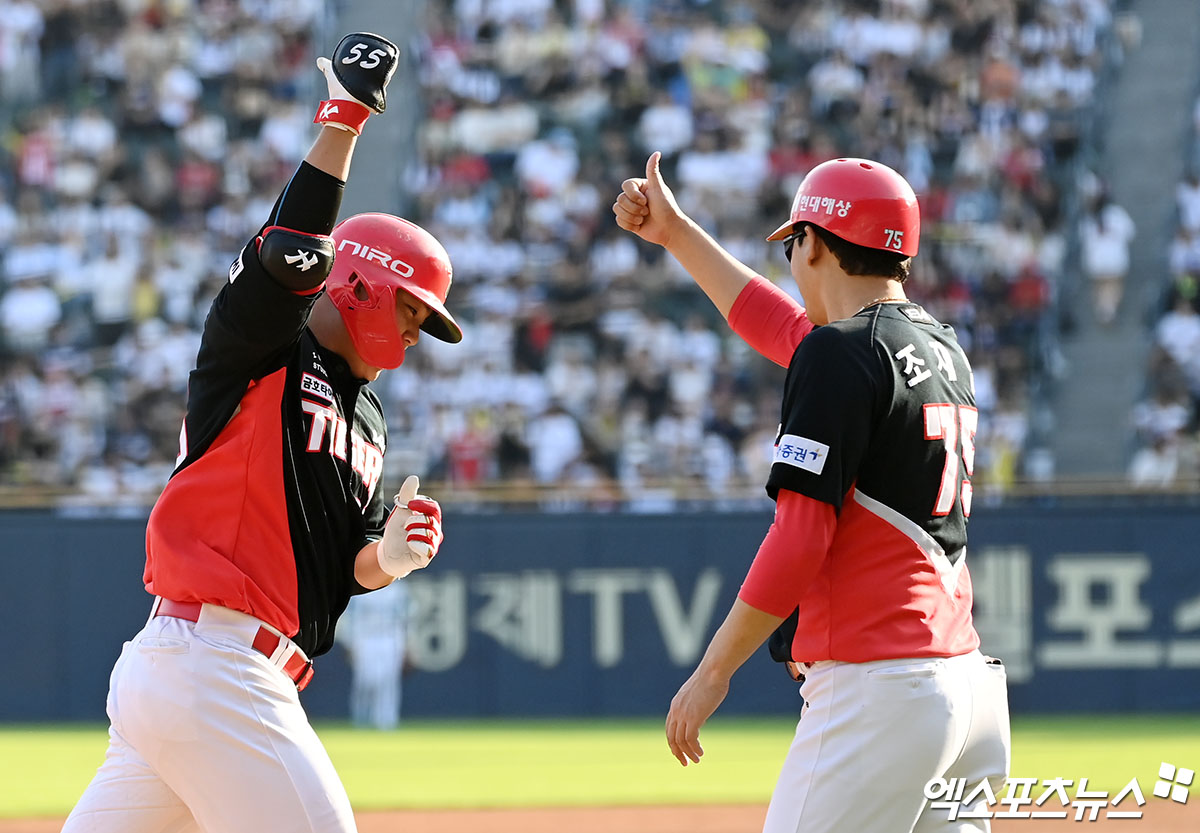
872,735
207,734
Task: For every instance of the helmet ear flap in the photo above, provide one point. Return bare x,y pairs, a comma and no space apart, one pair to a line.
362,292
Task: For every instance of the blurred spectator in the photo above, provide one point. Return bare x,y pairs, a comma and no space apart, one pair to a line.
1187,202
1106,231
1167,422
1178,334
555,442
374,633
21,25
1160,422
28,311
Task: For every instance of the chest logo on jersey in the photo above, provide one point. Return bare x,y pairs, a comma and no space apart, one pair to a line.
316,387
801,452
329,432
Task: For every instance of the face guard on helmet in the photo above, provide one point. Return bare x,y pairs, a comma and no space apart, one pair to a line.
862,202
376,256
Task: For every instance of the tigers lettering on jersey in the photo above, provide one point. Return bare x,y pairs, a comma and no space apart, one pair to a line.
365,458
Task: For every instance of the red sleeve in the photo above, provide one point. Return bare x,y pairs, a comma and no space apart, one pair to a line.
790,555
769,320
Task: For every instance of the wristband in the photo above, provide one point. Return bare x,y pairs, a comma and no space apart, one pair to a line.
343,114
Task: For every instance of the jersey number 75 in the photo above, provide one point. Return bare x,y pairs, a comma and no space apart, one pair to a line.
955,426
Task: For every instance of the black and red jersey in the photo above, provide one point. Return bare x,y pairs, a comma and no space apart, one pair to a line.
865,402
878,422
276,487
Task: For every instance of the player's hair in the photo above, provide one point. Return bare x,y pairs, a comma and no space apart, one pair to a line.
861,260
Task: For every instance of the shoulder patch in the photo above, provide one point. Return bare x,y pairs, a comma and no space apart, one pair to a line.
801,452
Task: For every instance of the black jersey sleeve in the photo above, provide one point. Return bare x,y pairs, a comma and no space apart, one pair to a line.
251,321
309,202
375,515
828,408
254,316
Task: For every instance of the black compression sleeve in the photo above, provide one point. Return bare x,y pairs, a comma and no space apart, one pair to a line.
310,201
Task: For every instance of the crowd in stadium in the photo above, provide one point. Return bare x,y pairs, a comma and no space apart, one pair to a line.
1167,420
147,141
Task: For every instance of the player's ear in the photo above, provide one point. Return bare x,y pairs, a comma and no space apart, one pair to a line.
817,248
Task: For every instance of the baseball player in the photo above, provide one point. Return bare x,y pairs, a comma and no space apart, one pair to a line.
374,632
274,517
861,582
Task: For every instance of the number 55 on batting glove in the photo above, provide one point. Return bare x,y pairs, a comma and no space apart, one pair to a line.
413,532
358,75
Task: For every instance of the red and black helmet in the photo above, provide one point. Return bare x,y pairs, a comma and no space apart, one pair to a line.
374,256
862,202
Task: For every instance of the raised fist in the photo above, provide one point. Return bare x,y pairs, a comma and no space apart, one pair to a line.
361,67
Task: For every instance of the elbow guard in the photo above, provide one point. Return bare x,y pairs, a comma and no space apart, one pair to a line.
297,261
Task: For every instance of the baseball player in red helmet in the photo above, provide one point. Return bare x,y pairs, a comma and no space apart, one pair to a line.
274,516
861,584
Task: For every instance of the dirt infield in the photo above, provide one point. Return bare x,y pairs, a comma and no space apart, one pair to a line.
1160,817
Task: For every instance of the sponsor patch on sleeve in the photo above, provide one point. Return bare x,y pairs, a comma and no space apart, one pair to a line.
801,452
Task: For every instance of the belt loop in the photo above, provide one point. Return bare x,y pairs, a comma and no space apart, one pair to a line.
304,678
279,655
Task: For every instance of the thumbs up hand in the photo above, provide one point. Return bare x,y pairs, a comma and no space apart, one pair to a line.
413,533
647,207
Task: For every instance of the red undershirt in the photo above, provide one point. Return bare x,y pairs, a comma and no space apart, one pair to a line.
774,323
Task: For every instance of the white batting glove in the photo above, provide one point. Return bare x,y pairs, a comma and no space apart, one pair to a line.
413,532
336,90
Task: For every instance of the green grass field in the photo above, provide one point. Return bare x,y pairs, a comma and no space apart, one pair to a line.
428,764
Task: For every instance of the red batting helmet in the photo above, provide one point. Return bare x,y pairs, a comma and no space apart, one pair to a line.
860,201
375,255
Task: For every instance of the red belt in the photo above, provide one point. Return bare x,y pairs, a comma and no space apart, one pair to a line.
266,642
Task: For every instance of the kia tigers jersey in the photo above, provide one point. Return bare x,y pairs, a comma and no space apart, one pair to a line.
276,487
878,420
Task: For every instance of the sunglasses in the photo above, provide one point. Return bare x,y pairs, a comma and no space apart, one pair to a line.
791,240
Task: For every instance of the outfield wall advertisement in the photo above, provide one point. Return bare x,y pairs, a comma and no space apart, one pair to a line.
574,615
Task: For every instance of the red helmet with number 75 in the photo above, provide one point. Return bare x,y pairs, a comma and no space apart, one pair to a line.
375,256
862,202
